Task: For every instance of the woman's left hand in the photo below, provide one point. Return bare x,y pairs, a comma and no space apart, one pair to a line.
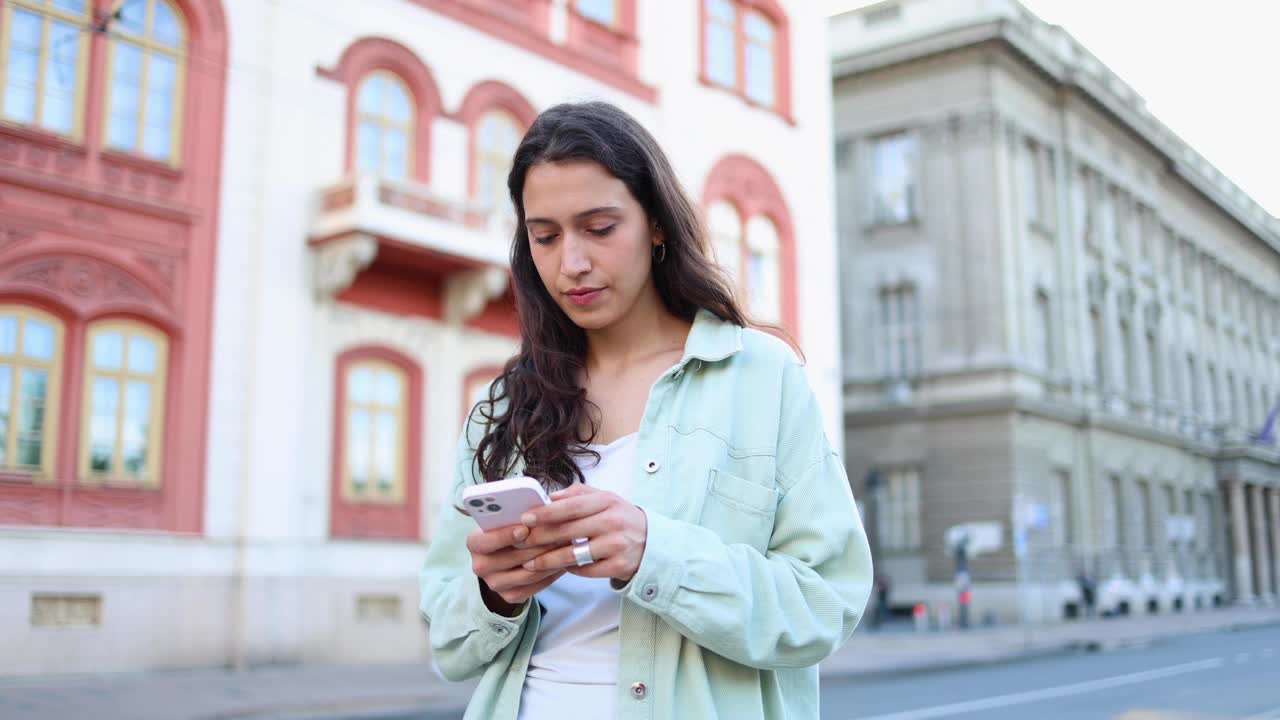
616,529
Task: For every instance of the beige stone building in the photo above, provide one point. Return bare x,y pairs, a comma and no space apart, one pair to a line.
1059,320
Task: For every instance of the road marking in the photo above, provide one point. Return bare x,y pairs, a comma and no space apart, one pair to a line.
1267,652
1271,714
996,701
1242,657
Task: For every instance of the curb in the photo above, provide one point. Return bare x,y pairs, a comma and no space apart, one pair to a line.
956,663
1060,648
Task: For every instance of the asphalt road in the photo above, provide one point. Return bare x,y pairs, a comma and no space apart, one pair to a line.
1230,674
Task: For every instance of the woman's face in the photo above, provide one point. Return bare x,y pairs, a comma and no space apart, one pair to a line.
590,240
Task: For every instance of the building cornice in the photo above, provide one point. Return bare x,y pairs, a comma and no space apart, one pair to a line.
1056,55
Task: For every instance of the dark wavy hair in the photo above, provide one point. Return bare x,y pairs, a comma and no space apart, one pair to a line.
545,409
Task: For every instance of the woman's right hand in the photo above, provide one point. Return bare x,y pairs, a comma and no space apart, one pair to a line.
497,562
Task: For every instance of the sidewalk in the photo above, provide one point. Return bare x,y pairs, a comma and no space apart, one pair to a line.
331,692
870,653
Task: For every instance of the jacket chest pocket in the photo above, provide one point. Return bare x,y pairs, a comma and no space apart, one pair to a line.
738,510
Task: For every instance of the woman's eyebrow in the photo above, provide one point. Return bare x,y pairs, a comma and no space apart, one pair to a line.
577,216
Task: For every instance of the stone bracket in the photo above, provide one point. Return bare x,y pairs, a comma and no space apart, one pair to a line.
467,293
337,262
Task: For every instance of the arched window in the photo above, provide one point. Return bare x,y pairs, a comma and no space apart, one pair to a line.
759,56
43,61
746,50
752,239
375,414
384,118
30,369
497,135
124,391
475,388
146,71
763,279
377,452
725,225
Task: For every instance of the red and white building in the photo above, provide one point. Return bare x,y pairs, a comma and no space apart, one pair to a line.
252,274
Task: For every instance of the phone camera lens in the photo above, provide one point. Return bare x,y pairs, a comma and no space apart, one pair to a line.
494,508
477,503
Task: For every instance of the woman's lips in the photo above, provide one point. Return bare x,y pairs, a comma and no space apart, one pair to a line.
584,297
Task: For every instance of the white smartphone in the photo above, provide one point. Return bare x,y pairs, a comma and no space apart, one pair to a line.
501,503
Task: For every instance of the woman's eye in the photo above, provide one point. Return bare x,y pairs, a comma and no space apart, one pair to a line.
601,232
544,239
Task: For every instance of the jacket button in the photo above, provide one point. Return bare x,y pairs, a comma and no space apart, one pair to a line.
649,592
638,691
651,467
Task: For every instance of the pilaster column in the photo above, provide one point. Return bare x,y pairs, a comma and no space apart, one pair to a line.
1241,562
1261,558
1273,500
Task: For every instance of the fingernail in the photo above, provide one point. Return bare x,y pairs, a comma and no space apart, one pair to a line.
529,565
519,546
528,519
520,533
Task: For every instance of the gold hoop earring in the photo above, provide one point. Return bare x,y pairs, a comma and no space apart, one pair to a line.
659,253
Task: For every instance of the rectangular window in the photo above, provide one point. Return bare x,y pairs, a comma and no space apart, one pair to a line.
894,182
1229,410
721,43
604,12
1142,517
1128,359
125,381
1032,187
30,367
1188,269
1153,358
900,332
1208,524
377,401
1060,506
758,58
1042,334
899,518
42,64
1193,385
1099,356
1107,216
1112,512
1214,410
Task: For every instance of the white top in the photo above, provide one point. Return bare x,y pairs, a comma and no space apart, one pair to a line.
573,672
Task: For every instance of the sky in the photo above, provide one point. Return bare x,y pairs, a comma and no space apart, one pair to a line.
1209,71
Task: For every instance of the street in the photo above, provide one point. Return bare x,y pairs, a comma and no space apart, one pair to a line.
1224,674
1220,675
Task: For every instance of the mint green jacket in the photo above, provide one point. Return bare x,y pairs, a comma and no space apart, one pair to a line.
755,569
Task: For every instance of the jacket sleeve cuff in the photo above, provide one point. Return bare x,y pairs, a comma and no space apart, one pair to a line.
497,631
662,567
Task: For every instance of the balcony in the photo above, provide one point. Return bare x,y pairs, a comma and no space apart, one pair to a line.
459,245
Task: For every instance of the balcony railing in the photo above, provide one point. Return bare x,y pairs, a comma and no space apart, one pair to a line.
412,215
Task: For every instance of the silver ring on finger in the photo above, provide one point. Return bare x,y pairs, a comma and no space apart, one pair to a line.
582,554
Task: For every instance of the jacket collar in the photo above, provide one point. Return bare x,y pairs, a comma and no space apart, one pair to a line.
711,339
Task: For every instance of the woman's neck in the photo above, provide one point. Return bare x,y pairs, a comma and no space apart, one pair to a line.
648,329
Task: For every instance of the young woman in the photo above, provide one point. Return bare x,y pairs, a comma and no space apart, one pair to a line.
724,555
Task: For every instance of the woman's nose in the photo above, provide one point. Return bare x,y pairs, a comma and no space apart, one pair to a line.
574,259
